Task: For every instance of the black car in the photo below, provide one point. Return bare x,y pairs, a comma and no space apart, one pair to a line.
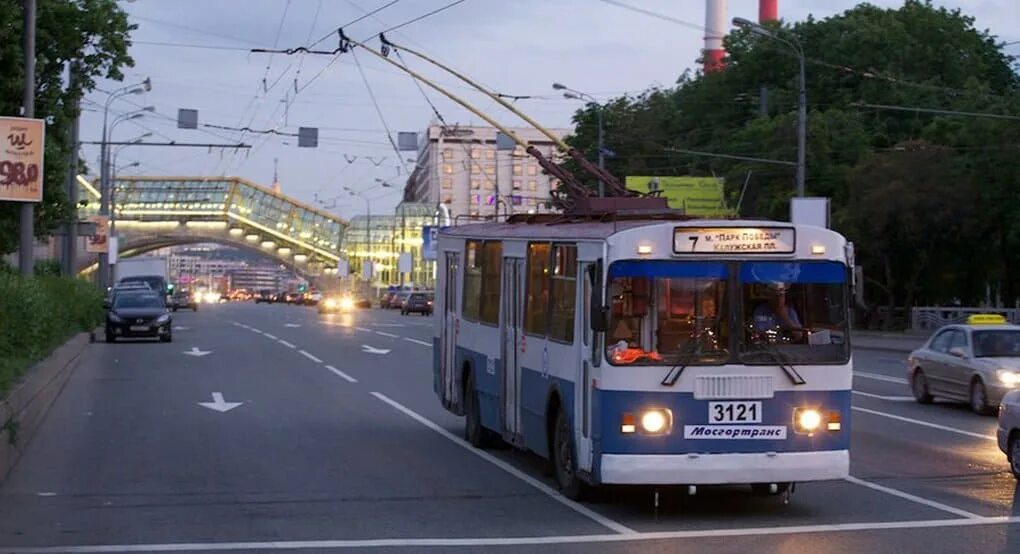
184,299
138,314
418,302
266,296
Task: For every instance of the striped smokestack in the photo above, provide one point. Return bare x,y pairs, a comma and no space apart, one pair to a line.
715,30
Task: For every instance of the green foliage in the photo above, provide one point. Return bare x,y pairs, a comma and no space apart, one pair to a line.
928,199
39,314
94,33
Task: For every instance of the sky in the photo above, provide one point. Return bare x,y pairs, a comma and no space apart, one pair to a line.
197,54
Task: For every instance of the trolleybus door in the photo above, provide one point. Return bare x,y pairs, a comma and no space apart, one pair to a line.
448,340
512,334
585,375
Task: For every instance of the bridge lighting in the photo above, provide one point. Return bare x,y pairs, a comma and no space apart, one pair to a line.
252,238
236,232
268,244
283,251
300,258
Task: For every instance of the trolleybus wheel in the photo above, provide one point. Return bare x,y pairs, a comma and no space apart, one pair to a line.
474,433
565,459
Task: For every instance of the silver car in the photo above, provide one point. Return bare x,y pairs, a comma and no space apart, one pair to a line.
975,363
1009,430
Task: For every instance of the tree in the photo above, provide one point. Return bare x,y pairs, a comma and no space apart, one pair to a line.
914,55
93,33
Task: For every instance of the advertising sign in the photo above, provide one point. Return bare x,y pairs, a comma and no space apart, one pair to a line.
21,159
696,196
429,238
100,241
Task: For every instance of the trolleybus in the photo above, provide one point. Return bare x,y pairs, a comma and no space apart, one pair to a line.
650,351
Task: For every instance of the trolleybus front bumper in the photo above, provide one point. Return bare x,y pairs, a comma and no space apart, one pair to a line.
719,469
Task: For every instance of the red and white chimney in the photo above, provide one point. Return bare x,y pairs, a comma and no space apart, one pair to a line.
768,10
715,30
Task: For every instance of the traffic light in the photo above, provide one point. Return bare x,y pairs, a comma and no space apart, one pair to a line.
302,287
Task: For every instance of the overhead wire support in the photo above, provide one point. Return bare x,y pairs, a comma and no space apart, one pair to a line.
613,184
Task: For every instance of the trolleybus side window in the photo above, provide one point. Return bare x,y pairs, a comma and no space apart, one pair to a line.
492,264
563,299
796,311
472,280
537,302
665,312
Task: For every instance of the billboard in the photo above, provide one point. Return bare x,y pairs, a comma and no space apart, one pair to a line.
21,159
99,242
429,238
696,196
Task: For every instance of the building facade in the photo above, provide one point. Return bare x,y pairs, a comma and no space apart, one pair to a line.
257,278
391,235
462,169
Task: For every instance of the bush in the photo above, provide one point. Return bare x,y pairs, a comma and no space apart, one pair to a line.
37,315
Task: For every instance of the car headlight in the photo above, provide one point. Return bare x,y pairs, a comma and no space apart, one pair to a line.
165,318
346,303
807,420
114,317
331,303
1008,377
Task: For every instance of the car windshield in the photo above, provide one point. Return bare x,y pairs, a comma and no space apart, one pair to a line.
137,301
796,311
662,311
997,343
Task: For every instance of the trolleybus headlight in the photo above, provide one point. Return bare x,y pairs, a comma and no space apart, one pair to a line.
654,421
807,420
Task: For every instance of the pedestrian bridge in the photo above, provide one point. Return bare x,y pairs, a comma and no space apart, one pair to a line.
156,212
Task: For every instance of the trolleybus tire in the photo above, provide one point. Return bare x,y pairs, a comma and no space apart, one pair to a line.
474,433
919,386
564,458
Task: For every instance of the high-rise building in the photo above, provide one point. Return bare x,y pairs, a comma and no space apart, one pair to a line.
462,169
257,278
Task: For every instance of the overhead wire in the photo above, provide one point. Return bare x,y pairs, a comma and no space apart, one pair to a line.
378,110
349,23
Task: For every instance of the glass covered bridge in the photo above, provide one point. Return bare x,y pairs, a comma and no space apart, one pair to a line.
155,212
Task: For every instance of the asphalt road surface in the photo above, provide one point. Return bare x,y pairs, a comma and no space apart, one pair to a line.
272,428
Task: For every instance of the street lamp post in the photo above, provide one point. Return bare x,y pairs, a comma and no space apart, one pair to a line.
104,178
368,212
578,95
801,97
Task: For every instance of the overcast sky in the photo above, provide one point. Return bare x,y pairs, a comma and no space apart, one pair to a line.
517,47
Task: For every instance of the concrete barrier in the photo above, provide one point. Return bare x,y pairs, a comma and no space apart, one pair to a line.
30,398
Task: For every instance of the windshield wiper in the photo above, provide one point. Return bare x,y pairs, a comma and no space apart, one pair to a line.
783,362
685,356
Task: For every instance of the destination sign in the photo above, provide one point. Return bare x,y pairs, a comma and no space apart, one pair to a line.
734,240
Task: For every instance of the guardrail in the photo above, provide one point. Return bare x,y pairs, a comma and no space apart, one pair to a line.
932,318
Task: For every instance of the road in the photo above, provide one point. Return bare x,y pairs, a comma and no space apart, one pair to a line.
323,434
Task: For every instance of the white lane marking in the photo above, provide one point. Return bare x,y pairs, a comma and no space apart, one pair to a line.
385,334
271,336
310,356
238,323
363,329
259,331
387,324
517,541
913,498
285,343
45,494
416,341
878,377
925,424
372,350
341,374
552,493
884,397
292,325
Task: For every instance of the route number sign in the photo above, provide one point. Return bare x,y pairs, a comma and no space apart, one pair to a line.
21,159
734,240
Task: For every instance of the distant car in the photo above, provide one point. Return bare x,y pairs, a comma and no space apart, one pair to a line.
184,299
386,300
1009,430
418,302
122,288
266,296
398,301
138,314
292,297
311,298
335,303
977,362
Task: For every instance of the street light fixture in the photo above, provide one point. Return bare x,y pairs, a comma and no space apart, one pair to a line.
794,45
104,169
578,95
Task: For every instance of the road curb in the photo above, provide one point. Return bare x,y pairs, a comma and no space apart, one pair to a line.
27,402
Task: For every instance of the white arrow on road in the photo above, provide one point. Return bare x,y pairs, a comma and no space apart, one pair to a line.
196,352
181,328
292,325
369,350
219,404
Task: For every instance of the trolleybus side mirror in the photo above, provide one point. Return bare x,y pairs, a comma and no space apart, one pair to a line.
599,316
